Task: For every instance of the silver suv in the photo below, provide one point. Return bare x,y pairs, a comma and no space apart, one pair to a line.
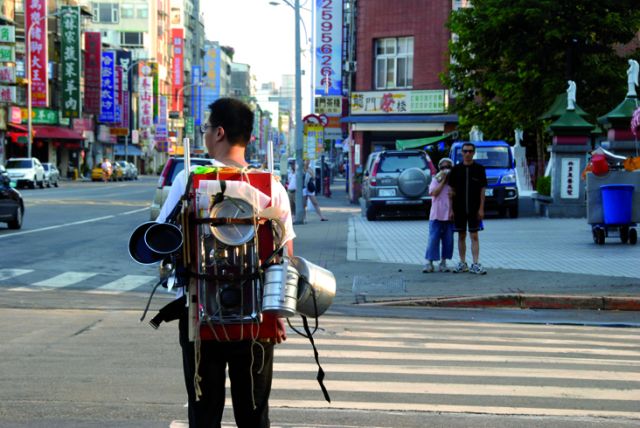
397,182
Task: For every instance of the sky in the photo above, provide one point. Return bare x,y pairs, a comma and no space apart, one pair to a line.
262,35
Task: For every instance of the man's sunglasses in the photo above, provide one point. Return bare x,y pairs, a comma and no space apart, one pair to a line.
467,151
445,167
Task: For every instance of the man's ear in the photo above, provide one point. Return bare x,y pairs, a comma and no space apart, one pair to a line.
220,133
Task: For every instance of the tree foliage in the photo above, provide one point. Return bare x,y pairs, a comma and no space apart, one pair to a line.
511,58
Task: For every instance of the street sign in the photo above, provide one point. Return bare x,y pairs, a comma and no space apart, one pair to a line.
119,132
174,115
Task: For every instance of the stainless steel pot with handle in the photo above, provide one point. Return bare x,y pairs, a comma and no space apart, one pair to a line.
316,288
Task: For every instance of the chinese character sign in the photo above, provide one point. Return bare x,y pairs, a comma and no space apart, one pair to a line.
7,74
196,94
70,61
7,34
7,54
145,103
107,88
177,82
7,94
211,88
36,30
328,48
399,102
161,126
92,72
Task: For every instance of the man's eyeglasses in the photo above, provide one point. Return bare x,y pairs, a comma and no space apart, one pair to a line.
467,151
204,127
445,167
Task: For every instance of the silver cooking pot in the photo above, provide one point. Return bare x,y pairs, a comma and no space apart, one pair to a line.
316,288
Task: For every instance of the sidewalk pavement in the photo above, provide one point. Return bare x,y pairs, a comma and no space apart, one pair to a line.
531,263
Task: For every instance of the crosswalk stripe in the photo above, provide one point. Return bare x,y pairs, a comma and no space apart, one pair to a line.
432,345
425,407
65,279
455,371
12,273
466,357
127,282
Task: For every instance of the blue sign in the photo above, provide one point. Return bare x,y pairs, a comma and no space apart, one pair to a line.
196,95
211,88
107,88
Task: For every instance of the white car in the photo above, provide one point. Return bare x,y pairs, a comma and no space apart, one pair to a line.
26,172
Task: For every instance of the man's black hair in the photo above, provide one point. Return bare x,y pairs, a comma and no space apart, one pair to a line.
469,144
235,117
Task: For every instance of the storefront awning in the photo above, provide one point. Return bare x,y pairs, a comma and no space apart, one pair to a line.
56,133
132,150
421,142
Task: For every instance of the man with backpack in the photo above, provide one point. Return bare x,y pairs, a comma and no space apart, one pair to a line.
249,361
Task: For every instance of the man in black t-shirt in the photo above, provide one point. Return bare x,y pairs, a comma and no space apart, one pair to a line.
468,181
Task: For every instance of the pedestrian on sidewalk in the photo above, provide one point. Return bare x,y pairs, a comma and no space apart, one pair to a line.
468,181
440,220
291,186
309,192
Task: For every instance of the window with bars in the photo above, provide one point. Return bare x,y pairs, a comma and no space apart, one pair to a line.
108,13
394,63
131,38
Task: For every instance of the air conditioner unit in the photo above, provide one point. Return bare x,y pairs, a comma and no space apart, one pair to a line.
350,66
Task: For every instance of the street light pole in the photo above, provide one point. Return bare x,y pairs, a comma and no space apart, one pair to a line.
299,143
190,85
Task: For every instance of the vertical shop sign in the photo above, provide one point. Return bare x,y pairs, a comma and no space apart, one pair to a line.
161,127
37,43
145,103
328,69
211,88
7,54
7,74
92,72
7,34
123,59
107,88
118,89
7,94
196,95
70,61
177,81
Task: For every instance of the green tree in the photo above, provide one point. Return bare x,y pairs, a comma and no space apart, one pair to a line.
512,58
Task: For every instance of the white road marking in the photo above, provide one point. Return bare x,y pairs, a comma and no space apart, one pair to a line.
127,282
75,223
65,279
12,273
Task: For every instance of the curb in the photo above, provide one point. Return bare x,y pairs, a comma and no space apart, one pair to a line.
522,301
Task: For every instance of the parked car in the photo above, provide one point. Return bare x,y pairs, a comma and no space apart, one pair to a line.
134,171
127,172
96,172
497,158
168,174
11,203
398,182
118,172
26,172
51,174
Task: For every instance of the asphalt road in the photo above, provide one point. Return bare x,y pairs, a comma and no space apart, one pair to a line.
73,353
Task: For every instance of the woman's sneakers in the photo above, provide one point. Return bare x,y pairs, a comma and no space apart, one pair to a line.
442,267
477,269
428,267
461,267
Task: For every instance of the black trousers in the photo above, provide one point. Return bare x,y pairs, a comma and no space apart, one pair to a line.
245,370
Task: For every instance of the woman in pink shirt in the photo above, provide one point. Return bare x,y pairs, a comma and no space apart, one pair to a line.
440,220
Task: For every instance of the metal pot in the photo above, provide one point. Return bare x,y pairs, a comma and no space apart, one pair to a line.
316,288
280,290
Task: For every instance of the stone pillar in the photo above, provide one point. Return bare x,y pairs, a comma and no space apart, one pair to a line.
571,143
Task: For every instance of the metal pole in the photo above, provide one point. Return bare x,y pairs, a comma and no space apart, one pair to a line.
299,219
29,101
